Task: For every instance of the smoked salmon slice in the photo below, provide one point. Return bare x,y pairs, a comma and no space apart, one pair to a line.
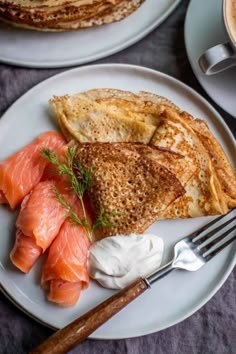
38,223
64,293
65,270
41,215
2,198
25,252
20,172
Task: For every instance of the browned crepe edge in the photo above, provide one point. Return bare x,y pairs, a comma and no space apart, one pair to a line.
116,14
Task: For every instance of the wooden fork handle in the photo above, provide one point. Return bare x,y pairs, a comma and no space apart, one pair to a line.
65,339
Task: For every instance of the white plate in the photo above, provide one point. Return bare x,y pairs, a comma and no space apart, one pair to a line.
52,50
171,299
204,28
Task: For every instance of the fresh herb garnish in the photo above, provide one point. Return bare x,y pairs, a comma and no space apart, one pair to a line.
79,185
80,180
71,215
102,220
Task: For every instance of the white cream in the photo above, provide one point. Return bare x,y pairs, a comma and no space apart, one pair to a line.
118,260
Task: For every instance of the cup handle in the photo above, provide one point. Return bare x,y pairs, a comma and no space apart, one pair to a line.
217,59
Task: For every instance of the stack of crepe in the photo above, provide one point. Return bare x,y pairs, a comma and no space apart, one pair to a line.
149,159
63,15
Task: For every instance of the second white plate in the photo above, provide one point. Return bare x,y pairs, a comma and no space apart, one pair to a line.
52,50
173,298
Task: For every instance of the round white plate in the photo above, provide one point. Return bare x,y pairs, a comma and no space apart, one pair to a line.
204,28
52,50
171,299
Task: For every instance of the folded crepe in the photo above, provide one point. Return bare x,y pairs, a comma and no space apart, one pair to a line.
86,118
63,15
130,185
106,115
210,180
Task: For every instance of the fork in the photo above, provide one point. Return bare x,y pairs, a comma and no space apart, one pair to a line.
190,253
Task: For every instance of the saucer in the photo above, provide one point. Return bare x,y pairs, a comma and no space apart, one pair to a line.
204,28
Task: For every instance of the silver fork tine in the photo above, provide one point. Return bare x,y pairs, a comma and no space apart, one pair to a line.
197,233
220,248
188,255
213,232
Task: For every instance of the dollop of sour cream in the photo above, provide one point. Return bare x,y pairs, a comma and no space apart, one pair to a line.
116,261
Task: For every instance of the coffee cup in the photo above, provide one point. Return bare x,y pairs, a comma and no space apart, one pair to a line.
222,56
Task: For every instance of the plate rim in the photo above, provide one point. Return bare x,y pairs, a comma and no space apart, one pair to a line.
230,264
198,77
105,54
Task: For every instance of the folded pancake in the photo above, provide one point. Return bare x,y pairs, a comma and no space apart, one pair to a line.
211,180
88,120
220,162
202,192
61,15
205,171
129,184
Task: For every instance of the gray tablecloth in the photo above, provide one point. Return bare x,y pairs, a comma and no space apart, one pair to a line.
210,330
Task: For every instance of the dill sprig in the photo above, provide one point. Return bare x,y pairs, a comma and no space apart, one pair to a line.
84,177
71,215
81,180
103,220
79,185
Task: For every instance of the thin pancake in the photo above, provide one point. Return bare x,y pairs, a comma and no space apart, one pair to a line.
87,120
129,183
211,181
67,15
220,162
53,3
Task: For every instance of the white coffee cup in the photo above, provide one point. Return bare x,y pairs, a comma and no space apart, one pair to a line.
222,56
